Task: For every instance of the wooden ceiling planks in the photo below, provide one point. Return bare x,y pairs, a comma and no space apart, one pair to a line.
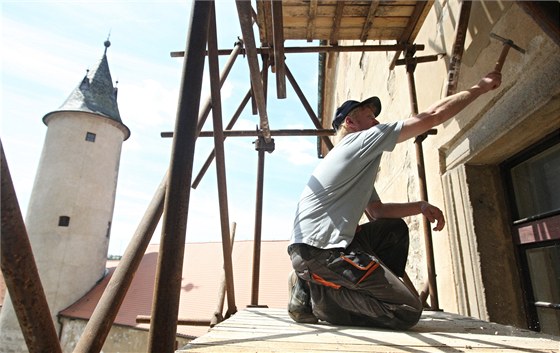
345,20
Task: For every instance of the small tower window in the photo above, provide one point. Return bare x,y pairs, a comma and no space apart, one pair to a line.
90,136
63,221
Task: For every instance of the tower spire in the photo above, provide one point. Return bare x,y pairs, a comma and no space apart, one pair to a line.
107,43
95,94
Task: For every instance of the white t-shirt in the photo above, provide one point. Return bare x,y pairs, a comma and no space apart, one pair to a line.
341,187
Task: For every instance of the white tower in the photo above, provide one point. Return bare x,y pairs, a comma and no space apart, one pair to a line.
71,206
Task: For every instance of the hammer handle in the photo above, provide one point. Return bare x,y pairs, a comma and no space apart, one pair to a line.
502,58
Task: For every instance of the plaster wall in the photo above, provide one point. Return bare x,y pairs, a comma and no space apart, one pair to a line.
461,161
82,177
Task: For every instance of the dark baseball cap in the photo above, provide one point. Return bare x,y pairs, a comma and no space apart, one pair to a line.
350,105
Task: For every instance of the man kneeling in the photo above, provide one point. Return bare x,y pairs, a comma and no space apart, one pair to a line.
350,274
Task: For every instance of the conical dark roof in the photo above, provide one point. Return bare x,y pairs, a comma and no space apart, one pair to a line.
95,94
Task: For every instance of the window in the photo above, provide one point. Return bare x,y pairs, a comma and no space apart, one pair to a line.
90,137
543,265
63,221
533,185
536,184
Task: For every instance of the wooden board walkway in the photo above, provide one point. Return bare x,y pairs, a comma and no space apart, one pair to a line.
272,330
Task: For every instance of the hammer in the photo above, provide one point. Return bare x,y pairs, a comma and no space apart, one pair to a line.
508,43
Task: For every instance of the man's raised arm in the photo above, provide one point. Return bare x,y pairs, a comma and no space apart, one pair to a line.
447,107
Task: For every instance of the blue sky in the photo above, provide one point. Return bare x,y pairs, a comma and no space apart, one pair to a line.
47,46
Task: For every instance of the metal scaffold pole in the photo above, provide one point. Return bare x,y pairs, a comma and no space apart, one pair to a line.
163,327
21,274
410,68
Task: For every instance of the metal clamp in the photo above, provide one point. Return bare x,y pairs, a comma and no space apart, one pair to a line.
262,145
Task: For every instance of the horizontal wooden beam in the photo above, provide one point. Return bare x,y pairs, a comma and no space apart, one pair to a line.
249,133
317,49
146,319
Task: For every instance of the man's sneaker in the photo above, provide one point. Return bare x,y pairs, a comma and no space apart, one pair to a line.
299,305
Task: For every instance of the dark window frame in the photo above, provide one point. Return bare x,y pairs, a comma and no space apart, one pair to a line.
90,136
521,243
64,221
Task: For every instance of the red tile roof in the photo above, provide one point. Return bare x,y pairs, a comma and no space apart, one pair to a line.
202,269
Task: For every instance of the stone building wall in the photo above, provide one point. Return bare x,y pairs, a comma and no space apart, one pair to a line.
120,338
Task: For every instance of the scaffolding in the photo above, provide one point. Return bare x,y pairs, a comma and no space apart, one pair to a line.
277,22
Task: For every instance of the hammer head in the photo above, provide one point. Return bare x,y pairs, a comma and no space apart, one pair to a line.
507,42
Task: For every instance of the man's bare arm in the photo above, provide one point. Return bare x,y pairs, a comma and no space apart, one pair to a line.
378,209
447,107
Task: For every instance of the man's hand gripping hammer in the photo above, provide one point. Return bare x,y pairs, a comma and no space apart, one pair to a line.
508,43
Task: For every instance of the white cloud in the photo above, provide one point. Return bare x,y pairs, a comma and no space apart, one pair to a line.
147,104
297,150
39,55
